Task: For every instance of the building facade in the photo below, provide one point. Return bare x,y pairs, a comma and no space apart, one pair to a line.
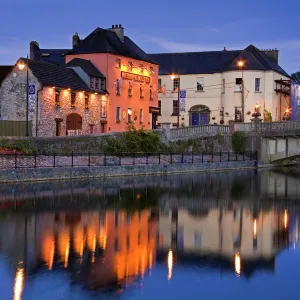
219,86
131,75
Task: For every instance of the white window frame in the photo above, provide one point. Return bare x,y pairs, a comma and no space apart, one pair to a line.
200,84
257,84
176,84
238,87
141,115
118,114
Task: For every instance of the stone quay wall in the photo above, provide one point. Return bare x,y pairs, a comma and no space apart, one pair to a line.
48,174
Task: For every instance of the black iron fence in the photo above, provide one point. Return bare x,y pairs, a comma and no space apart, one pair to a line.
56,160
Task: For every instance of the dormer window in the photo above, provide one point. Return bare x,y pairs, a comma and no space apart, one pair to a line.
97,83
92,82
103,85
45,55
73,99
118,63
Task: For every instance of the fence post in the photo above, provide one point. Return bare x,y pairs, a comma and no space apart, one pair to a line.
16,164
54,159
120,160
72,159
243,155
192,157
202,156
34,159
212,156
104,159
171,158
236,155
220,156
250,155
89,158
228,156
182,157
159,158
147,157
133,158
256,155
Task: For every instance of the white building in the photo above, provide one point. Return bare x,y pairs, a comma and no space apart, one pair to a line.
213,85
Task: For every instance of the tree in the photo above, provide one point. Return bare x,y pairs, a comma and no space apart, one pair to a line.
296,77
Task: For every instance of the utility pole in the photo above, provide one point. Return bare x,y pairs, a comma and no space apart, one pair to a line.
243,100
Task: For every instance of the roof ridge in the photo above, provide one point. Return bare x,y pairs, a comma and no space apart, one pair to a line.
192,52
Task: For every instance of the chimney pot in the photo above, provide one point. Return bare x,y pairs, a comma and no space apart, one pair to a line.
116,25
113,26
120,26
75,40
225,49
119,31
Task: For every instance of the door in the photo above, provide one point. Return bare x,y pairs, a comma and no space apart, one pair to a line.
204,119
74,124
195,119
154,121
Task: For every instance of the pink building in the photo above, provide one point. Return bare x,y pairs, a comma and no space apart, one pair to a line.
131,77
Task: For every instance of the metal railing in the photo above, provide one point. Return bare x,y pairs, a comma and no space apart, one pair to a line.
56,160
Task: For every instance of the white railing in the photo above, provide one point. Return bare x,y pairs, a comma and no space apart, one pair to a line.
202,130
74,132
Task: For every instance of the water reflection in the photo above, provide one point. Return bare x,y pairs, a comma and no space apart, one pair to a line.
110,235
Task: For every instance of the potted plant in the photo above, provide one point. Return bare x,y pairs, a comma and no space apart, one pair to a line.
222,122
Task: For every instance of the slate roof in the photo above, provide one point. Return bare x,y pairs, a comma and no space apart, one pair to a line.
107,41
87,66
50,74
4,70
56,56
214,62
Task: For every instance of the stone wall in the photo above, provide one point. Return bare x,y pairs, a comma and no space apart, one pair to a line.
45,174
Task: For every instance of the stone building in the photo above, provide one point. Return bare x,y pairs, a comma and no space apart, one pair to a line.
61,100
216,86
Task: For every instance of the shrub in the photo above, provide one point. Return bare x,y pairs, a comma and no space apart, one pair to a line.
238,141
268,116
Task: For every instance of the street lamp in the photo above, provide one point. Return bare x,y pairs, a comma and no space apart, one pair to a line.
178,94
21,66
241,65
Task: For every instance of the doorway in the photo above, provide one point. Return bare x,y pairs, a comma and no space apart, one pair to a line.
154,120
74,124
199,115
58,126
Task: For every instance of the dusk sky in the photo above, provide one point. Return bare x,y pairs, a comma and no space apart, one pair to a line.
156,26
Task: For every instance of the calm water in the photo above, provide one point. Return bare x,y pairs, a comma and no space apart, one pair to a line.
231,235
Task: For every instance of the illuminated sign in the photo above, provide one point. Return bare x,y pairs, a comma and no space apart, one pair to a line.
154,110
135,77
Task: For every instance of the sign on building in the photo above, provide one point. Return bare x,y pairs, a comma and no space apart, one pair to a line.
31,97
182,97
295,101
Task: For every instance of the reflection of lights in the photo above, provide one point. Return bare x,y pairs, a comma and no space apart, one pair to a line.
51,255
254,228
19,284
237,264
67,254
138,196
93,249
150,260
170,264
285,219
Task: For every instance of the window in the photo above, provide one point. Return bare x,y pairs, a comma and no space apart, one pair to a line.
57,99
200,83
103,87
222,112
73,99
198,238
97,83
141,116
86,101
118,114
238,84
118,63
159,85
176,84
91,82
257,84
175,107
151,93
130,66
238,114
223,86
130,90
141,92
118,88
159,105
129,115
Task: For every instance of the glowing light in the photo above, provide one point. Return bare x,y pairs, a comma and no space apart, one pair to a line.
51,258
69,89
287,110
170,264
138,196
256,106
241,63
285,219
21,65
67,254
172,77
66,93
96,93
104,97
19,284
129,112
237,264
254,228
81,94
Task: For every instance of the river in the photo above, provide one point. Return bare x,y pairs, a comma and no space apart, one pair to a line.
231,235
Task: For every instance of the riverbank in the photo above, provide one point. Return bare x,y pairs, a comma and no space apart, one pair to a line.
48,174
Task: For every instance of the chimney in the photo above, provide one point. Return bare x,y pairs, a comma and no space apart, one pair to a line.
119,30
75,40
34,47
225,49
273,54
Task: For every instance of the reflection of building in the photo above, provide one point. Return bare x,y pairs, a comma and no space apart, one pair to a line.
100,249
232,235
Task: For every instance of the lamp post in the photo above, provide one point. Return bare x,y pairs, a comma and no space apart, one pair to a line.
178,96
241,65
21,66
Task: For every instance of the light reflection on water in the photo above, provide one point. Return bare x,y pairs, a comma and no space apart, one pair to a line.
148,237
